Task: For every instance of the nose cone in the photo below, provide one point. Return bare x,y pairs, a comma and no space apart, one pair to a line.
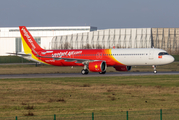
166,59
171,59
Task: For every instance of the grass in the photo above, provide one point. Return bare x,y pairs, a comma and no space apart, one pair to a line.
176,57
13,59
101,95
48,96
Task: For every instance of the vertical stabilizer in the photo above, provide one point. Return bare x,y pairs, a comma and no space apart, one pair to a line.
28,41
29,44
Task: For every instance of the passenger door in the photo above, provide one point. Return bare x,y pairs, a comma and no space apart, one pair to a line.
151,54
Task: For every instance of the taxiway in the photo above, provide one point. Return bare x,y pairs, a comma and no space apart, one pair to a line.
80,75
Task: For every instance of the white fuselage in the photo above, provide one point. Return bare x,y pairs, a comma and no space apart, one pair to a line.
141,56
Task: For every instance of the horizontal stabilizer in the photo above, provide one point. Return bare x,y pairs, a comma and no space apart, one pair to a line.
21,54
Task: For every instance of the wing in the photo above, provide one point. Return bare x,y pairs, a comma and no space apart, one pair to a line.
69,59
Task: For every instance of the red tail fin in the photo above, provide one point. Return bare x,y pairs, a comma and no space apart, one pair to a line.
28,39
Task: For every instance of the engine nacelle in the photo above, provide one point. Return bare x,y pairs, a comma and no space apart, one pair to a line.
122,68
97,66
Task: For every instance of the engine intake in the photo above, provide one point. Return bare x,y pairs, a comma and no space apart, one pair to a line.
97,66
122,68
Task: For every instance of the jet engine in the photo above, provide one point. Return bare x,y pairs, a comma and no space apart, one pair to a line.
97,66
122,68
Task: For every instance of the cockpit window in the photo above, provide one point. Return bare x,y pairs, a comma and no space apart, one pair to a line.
163,53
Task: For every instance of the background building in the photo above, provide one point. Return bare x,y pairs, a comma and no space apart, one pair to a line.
109,38
167,39
163,38
90,38
10,39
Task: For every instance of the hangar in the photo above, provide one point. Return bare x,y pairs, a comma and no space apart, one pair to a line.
10,39
163,38
87,37
109,38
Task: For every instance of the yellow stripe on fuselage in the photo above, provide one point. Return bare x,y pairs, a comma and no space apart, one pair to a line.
113,58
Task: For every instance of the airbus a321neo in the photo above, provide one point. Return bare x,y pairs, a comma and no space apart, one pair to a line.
94,60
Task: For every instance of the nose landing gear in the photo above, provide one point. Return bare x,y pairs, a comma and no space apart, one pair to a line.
155,68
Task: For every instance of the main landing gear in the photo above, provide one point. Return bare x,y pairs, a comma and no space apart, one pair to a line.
155,68
85,70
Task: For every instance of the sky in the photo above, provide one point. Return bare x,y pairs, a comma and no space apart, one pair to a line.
103,14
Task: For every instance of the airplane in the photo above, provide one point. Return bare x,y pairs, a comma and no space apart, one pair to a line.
94,60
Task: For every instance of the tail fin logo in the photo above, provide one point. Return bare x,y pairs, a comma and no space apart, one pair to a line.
26,34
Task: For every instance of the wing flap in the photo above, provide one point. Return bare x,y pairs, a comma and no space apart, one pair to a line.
68,59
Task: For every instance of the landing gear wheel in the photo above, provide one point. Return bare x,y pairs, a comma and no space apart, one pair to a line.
84,72
102,72
155,69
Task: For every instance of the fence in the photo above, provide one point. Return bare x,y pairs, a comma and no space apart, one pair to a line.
167,114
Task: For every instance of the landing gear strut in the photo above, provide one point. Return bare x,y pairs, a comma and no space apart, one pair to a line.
85,70
155,69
